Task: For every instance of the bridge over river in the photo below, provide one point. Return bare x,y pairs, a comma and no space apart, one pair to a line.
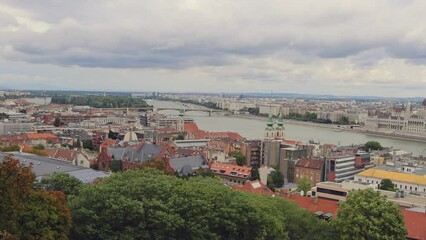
184,109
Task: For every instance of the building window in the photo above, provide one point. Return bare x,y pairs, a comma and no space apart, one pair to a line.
411,188
405,186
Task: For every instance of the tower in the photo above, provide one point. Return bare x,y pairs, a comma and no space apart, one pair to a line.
180,122
269,130
280,130
408,110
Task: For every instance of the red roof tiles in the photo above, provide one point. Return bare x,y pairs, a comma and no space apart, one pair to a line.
191,127
309,163
231,170
415,223
41,136
255,187
323,205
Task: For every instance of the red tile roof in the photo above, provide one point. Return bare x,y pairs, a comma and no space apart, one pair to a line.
41,136
309,163
255,187
292,142
323,205
201,134
62,154
191,127
217,144
231,170
415,223
109,142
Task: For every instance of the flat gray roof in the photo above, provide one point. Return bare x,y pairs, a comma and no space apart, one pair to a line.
43,166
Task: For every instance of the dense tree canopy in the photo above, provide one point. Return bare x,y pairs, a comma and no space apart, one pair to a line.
367,215
241,160
254,174
373,145
275,179
101,101
304,185
11,148
158,164
27,213
147,204
387,184
60,182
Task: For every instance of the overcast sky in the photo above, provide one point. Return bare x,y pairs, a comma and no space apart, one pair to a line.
336,47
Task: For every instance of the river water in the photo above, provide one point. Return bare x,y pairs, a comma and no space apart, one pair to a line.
254,129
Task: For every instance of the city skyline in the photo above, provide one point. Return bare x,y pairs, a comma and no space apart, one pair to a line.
310,47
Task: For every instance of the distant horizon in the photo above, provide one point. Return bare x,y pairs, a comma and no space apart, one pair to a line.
245,94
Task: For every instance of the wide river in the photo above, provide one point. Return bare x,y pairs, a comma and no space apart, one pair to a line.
254,129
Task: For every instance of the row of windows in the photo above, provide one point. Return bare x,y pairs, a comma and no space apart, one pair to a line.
396,185
333,192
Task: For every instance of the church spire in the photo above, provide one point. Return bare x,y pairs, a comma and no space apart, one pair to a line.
280,122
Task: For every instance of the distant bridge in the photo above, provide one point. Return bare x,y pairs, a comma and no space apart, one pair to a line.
209,111
155,109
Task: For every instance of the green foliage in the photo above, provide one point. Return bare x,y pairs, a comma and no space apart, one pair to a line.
310,116
275,179
307,117
367,215
205,172
60,182
78,143
254,174
253,111
57,122
115,166
387,184
241,160
87,144
101,101
344,120
3,115
151,205
180,137
112,135
158,164
11,148
39,147
373,145
304,185
27,213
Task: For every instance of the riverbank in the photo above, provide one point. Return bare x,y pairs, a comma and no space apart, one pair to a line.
336,128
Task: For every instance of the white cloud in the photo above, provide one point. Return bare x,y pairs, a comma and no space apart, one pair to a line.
330,46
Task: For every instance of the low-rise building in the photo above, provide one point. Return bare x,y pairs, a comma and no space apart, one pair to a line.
309,169
12,127
408,182
232,174
344,165
188,165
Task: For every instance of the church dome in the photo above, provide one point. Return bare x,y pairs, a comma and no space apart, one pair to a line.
424,102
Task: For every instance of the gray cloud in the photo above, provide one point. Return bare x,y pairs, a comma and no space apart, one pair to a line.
264,45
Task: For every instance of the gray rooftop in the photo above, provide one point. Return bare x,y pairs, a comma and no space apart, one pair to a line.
397,166
187,164
145,153
43,166
191,143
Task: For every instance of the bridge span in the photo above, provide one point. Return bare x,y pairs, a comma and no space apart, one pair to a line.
156,109
209,111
